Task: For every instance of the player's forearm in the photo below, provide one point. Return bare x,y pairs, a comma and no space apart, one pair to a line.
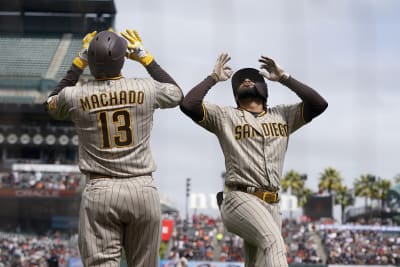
159,74
314,103
192,102
70,79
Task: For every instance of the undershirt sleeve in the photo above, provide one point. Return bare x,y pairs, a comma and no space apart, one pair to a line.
192,102
314,103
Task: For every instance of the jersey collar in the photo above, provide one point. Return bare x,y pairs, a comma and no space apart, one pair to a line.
262,113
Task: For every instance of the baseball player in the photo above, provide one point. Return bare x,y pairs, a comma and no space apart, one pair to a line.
113,116
254,138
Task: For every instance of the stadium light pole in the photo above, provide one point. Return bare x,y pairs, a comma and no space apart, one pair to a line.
187,198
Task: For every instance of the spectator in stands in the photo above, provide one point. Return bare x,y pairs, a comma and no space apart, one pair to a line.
52,261
47,181
182,262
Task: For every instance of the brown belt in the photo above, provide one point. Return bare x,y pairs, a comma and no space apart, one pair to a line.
264,195
92,176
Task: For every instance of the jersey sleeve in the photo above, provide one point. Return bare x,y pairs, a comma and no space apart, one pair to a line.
58,106
213,117
167,95
294,115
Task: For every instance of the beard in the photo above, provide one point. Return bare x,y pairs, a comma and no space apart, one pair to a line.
248,92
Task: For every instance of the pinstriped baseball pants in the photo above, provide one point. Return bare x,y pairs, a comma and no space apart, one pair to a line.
259,224
118,213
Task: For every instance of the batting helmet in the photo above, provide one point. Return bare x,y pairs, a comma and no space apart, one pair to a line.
253,75
106,55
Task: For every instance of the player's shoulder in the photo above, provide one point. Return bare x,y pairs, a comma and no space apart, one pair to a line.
234,111
225,111
209,105
136,79
67,91
143,83
282,107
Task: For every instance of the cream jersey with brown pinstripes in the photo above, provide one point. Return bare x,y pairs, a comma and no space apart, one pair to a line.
254,147
114,119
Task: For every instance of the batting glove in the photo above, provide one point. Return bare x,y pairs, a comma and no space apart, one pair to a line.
271,70
81,60
136,50
221,71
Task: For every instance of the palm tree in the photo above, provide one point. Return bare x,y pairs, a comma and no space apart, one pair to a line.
294,181
344,198
303,196
363,187
330,180
382,188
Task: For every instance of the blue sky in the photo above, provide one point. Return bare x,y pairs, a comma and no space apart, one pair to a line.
347,50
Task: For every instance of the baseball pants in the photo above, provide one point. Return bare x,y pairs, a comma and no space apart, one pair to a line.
118,213
259,224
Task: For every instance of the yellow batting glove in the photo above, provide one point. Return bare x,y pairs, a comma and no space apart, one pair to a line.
136,50
81,60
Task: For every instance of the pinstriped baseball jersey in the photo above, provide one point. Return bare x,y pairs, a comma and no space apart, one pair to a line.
254,147
114,119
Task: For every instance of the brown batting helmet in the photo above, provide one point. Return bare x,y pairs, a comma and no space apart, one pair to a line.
253,75
106,54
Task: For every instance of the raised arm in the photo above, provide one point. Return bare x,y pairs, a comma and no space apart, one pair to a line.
314,103
192,102
78,65
137,52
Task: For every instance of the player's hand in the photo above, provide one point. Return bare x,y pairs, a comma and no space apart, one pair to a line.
221,71
136,50
271,70
81,60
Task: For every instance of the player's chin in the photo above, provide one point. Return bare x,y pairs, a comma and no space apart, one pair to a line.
247,92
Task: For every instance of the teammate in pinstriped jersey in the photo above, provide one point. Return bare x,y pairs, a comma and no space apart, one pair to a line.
254,139
113,116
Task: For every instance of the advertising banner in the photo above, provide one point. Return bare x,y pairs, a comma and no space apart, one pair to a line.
171,263
167,228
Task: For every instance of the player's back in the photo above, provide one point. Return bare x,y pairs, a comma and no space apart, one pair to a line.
114,119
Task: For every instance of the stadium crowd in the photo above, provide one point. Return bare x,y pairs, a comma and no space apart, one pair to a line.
195,240
301,241
40,181
27,250
204,238
371,246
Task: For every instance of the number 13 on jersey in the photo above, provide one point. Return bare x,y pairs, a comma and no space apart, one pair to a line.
121,121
